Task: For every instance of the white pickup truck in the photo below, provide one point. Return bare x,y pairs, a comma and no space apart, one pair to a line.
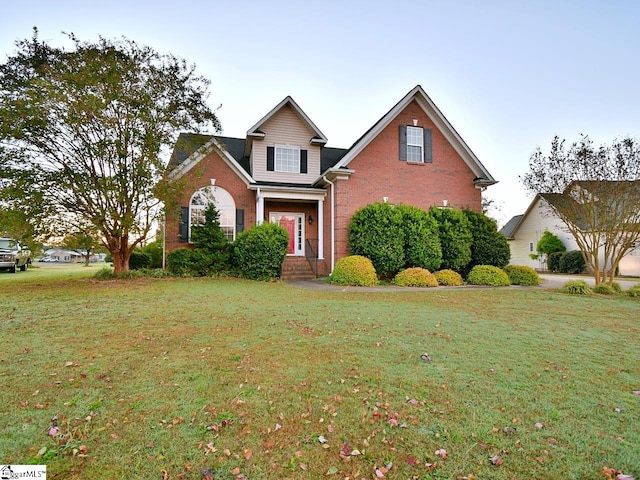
13,255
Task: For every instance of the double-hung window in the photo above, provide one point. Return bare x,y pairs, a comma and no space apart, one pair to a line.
287,158
415,144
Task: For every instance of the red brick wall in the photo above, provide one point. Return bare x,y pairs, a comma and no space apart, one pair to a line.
212,166
379,173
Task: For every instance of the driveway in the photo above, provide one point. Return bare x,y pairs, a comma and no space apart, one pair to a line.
548,280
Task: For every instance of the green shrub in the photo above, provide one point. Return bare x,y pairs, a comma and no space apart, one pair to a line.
548,244
354,270
522,275
488,275
553,261
139,260
130,275
376,232
258,253
179,262
415,277
421,240
634,291
489,246
154,250
577,287
572,262
616,287
105,273
454,231
604,289
449,278
211,253
108,258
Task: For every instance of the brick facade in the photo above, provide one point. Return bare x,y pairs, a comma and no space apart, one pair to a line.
369,172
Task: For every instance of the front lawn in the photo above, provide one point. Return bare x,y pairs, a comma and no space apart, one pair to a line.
223,379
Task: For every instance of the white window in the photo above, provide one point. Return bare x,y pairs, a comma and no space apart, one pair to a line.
415,144
287,158
224,204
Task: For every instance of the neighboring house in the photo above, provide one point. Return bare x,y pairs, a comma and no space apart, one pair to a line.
283,172
72,256
524,231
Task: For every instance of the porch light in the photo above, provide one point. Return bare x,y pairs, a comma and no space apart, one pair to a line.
310,220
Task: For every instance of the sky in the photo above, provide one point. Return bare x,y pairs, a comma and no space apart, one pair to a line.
507,75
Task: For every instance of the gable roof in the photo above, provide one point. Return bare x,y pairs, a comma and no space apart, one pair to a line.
318,139
483,177
511,226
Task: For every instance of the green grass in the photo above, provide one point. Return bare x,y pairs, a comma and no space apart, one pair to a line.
182,375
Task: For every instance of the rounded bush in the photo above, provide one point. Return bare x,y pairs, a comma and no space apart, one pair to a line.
415,277
179,261
354,270
448,278
616,287
522,275
604,289
572,262
488,275
577,287
259,252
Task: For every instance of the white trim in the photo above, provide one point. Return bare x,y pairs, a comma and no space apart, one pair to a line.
288,100
202,152
281,147
320,217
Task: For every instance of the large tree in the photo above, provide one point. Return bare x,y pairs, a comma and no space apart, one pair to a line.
89,124
595,191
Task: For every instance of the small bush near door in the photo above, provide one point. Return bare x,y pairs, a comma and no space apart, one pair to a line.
354,270
259,252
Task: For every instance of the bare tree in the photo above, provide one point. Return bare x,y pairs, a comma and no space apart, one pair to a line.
595,191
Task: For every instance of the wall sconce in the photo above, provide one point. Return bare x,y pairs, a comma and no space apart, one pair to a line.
310,220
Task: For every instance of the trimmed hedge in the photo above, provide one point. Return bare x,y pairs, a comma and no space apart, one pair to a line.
415,277
139,260
354,270
522,275
488,275
454,231
259,252
576,287
449,278
489,246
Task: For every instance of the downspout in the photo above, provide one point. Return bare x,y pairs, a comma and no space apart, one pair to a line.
259,211
164,242
333,246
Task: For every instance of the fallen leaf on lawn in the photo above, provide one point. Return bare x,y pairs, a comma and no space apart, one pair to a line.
538,425
332,471
68,364
277,427
413,401
441,452
379,474
207,474
304,466
412,461
53,431
321,439
165,475
622,476
247,454
209,448
636,392
235,471
496,460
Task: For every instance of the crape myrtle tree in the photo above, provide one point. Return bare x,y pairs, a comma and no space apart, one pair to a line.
88,125
595,191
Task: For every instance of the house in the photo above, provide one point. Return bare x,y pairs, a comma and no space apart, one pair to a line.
282,171
524,231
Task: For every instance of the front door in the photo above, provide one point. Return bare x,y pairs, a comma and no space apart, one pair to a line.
293,223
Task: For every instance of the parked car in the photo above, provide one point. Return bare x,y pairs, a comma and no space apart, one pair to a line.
13,255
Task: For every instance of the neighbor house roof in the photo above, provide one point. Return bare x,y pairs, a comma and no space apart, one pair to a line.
482,175
511,226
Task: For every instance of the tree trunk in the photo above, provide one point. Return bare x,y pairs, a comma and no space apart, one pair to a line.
121,260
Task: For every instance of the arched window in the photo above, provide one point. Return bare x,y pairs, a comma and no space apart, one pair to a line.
223,202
